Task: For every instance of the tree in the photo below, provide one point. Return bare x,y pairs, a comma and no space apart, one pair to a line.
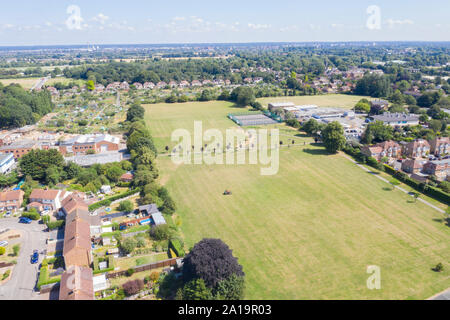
362,107
333,137
36,162
230,289
114,173
161,232
133,287
128,245
416,196
243,96
90,85
2,251
196,290
135,112
211,260
394,182
126,206
377,132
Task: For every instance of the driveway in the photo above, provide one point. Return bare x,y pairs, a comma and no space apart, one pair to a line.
24,277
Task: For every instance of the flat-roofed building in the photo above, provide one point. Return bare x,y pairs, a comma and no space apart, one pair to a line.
98,143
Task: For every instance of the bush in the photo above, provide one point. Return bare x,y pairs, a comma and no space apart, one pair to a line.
439,267
108,201
55,224
16,250
133,287
32,214
126,206
6,274
177,247
128,245
161,232
130,272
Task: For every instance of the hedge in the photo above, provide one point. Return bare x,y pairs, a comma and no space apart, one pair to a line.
430,191
175,245
43,278
110,268
108,201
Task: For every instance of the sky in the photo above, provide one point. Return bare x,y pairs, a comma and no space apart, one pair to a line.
63,22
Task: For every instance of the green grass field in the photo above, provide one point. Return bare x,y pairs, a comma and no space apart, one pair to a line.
310,231
27,83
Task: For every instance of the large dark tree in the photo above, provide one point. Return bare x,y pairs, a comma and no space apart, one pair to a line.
36,163
211,260
136,112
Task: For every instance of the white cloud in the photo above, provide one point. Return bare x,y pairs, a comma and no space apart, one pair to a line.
392,23
101,18
258,26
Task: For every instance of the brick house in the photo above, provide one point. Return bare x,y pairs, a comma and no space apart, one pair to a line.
439,168
389,149
77,284
440,146
417,149
98,143
77,242
73,202
412,166
11,200
46,199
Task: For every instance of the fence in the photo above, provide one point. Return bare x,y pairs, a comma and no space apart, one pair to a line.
151,266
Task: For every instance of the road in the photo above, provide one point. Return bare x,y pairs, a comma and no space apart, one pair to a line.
24,277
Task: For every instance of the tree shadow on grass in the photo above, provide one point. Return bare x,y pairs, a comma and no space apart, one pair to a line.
317,152
387,189
446,221
302,135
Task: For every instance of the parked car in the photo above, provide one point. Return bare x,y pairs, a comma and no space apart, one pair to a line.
35,257
8,214
25,220
3,243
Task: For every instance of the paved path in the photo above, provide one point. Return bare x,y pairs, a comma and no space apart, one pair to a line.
397,187
25,275
445,295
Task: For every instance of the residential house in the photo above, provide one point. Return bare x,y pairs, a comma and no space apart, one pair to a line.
184,84
438,168
77,284
149,85
73,202
417,149
98,143
11,200
412,166
138,86
95,222
124,86
127,177
6,162
47,200
196,83
440,146
161,85
77,241
173,84
389,149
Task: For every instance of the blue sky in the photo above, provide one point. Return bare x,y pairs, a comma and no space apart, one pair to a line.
47,22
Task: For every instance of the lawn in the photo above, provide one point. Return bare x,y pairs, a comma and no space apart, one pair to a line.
27,83
310,231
